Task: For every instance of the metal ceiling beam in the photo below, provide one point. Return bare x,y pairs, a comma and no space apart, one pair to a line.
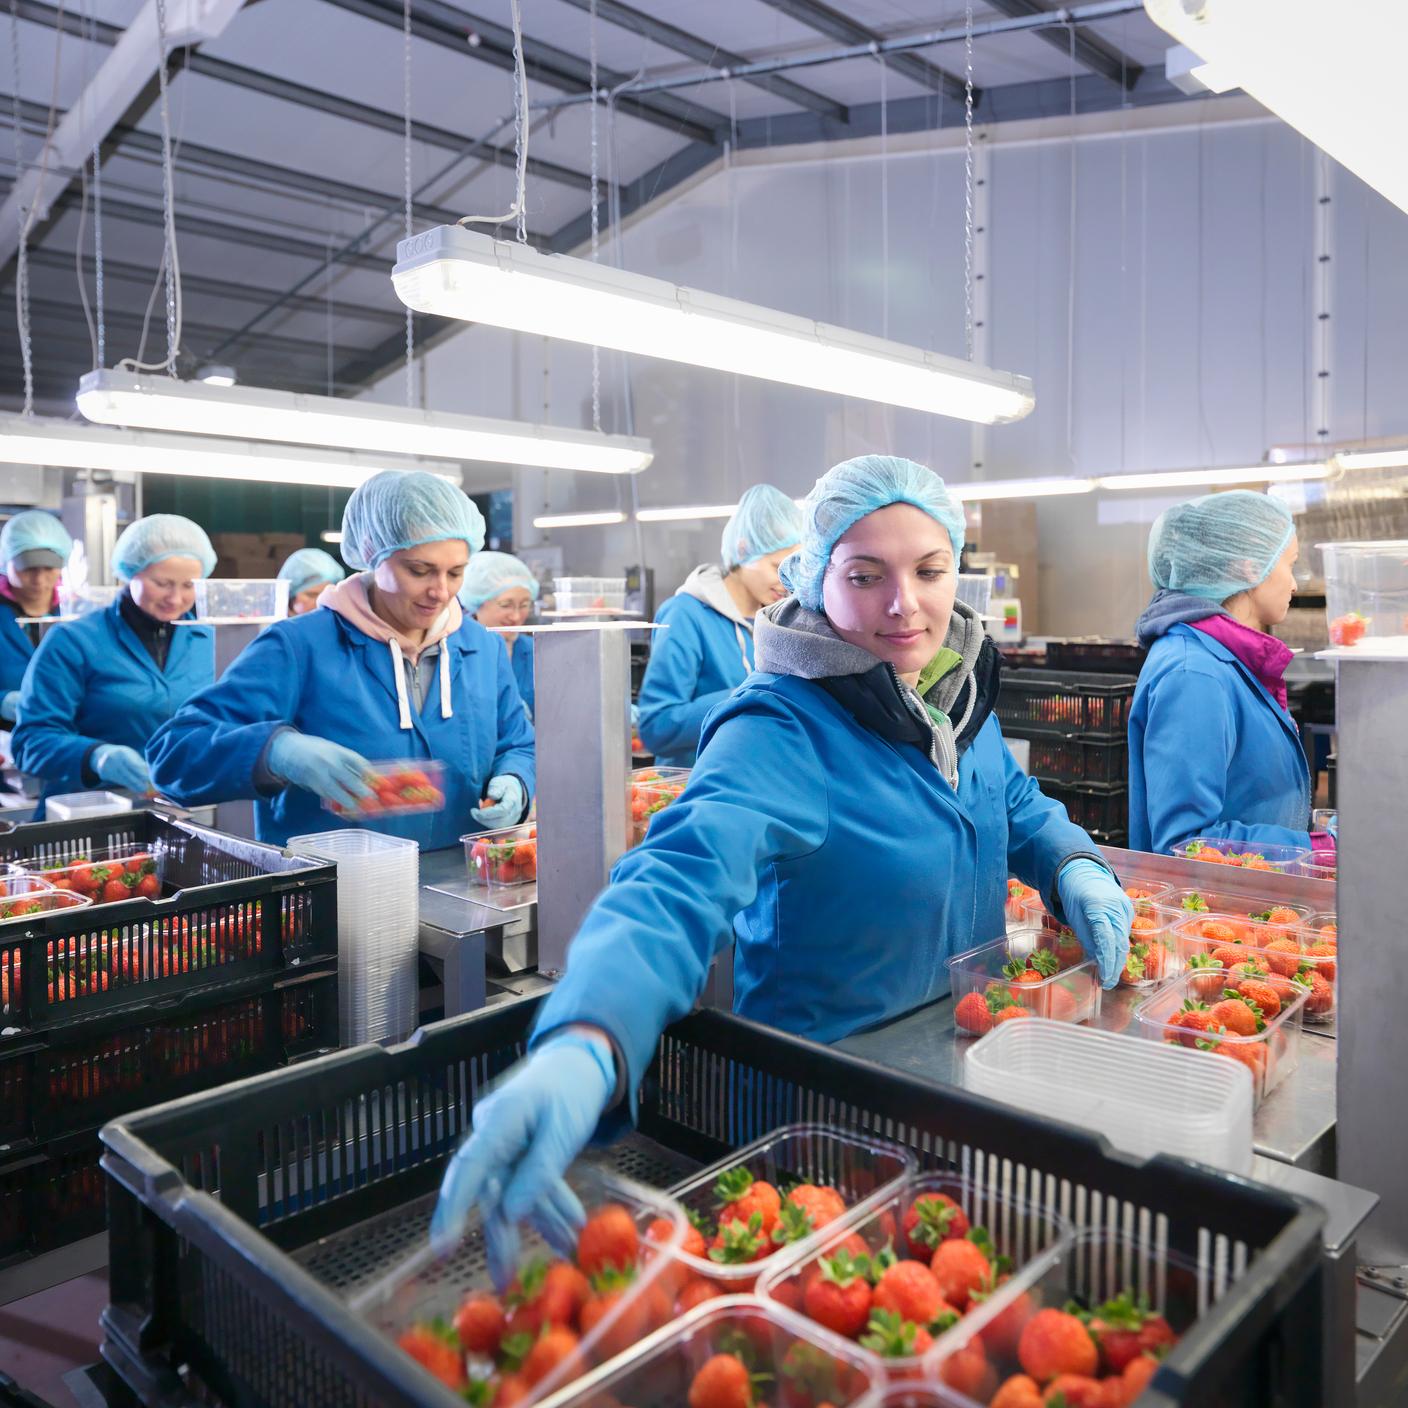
705,52
825,20
142,275
1089,50
449,27
370,365
301,94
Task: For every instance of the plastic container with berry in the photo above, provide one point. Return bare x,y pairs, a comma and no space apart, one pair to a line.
399,787
900,1278
1239,1013
1183,904
108,874
770,1202
1018,896
1087,1322
651,791
1031,972
1281,860
559,1317
503,859
1152,953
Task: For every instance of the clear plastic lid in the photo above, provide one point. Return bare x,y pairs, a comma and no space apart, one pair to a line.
1283,860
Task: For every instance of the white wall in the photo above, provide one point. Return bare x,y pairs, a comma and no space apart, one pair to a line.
1185,313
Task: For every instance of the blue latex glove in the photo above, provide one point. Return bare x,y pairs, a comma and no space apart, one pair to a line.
1333,827
334,773
122,767
509,799
635,715
1100,913
10,706
526,1133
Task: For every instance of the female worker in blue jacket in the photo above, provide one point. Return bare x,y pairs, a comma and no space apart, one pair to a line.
851,824
386,668
708,650
99,686
499,591
1213,750
34,546
309,572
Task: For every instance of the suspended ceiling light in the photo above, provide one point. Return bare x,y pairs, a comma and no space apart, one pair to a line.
331,535
1333,72
458,273
686,513
1218,478
1020,489
1372,459
163,403
217,374
578,520
36,440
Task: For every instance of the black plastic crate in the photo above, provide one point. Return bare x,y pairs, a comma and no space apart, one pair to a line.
79,1078
221,1207
49,1197
1064,704
1110,657
1102,760
230,910
1095,808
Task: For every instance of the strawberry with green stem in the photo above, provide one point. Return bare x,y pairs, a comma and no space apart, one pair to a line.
892,1337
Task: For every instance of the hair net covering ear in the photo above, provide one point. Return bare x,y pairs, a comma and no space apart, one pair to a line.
1220,545
765,521
30,531
308,568
490,573
849,491
399,509
157,537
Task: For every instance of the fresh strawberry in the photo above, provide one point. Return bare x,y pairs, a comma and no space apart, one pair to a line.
933,1218
1056,1342
636,1316
479,1322
1115,1326
739,1242
1284,956
513,1390
1282,915
556,1346
1156,1335
911,1290
695,1292
1240,1018
1074,1391
1204,984
1219,931
722,1382
840,1298
893,1337
968,1372
740,1195
972,1014
1260,995
1137,1375
434,1351
1020,1391
821,1205
1326,953
1003,1332
608,1240
794,1223
964,1266
1009,1014
1068,948
1322,994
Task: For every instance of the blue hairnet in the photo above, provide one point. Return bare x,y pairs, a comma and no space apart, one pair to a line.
30,531
400,508
157,537
765,521
310,567
844,495
1219,546
490,573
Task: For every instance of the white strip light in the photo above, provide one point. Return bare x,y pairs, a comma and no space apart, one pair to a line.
201,408
578,520
1293,57
1019,489
460,273
1218,478
685,513
1372,459
63,444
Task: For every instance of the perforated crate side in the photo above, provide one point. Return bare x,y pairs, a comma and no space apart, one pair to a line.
1065,703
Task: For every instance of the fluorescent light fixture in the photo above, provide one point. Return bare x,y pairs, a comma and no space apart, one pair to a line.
36,440
163,403
1019,489
214,374
1217,478
331,535
578,520
1333,72
1372,459
685,513
1190,75
460,273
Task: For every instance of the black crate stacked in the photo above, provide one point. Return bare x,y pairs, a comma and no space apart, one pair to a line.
1076,723
231,971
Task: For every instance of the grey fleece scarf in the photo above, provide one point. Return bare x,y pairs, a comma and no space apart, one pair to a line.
790,640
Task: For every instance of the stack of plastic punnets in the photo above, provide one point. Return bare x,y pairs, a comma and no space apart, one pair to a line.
378,923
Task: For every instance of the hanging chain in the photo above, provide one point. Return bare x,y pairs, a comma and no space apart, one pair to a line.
596,218
884,195
22,256
408,187
968,180
173,336
98,252
520,124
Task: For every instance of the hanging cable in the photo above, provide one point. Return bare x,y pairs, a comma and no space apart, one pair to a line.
518,211
884,195
596,216
22,260
409,188
1071,280
968,180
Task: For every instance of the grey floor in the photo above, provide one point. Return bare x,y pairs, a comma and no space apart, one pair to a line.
46,1335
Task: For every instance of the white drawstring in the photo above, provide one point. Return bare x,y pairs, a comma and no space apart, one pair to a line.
447,710
398,668
743,648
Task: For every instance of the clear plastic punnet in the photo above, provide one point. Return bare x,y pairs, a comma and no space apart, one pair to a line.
18,906
1031,972
79,601
70,806
400,787
651,791
1366,590
107,874
503,859
1146,1099
241,599
1297,951
1018,894
975,590
843,1175
1181,904
589,593
735,1349
559,1318
915,1265
1250,1017
1282,860
1105,1306
1152,952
